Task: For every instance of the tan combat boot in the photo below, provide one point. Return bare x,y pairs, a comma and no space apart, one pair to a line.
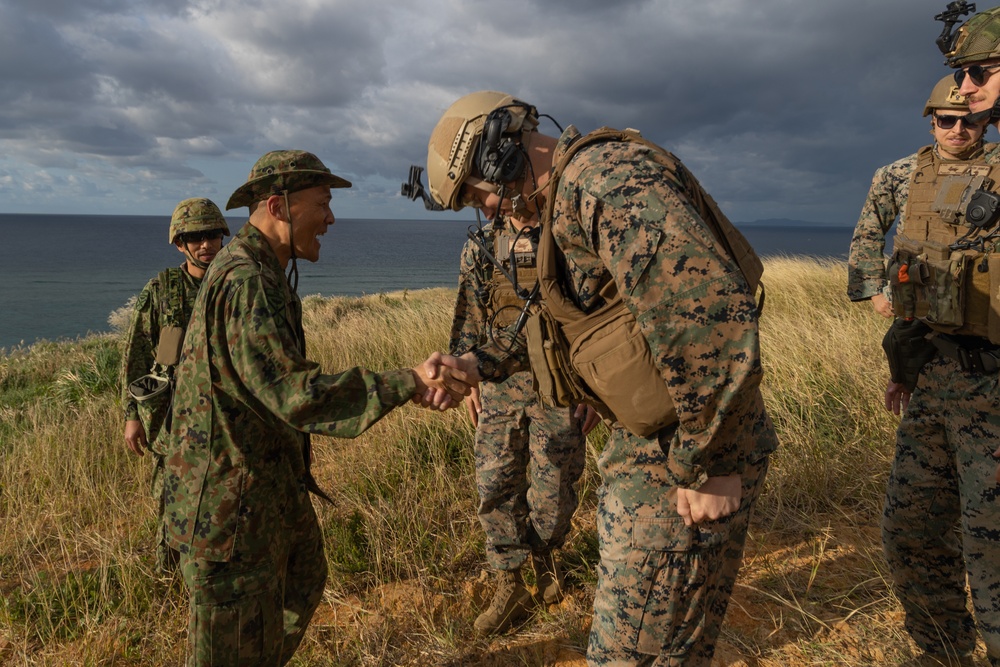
548,578
511,604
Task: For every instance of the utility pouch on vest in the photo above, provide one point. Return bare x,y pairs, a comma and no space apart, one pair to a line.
168,351
993,324
945,293
613,359
153,395
556,383
908,348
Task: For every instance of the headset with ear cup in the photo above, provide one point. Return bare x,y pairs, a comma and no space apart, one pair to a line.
499,158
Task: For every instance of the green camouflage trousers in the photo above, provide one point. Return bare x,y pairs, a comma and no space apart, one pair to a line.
255,611
663,587
942,510
166,556
528,460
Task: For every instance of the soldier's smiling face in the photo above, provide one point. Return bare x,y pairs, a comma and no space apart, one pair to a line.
981,96
311,215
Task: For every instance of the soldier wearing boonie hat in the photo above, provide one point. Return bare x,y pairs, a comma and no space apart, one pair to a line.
237,496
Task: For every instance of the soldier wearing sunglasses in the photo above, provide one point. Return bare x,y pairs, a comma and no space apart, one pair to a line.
955,138
159,319
941,523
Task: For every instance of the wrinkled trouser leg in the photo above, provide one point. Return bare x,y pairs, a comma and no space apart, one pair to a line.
528,460
255,611
167,557
663,587
942,482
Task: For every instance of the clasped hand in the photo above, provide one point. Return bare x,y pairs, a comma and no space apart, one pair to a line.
444,380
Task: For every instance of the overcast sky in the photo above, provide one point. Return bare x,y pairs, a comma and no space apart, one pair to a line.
782,108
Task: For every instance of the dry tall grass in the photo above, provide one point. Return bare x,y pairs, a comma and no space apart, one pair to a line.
405,548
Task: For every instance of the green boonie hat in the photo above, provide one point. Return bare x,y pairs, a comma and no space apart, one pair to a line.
288,171
196,215
978,39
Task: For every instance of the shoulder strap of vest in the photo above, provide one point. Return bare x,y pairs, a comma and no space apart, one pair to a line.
171,285
925,158
549,266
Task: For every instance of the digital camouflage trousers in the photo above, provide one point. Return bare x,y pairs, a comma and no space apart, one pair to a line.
941,520
528,461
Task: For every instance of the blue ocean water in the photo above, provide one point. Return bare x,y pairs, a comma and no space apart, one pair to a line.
62,275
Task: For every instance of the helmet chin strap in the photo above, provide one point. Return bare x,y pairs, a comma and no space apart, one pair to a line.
194,260
990,115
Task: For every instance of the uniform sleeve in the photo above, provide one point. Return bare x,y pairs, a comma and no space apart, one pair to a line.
468,326
693,307
265,356
865,264
140,341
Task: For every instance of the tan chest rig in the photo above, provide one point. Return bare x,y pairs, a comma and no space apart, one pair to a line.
945,268
516,252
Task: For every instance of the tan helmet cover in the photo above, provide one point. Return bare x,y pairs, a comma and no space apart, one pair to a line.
946,96
978,39
452,146
196,215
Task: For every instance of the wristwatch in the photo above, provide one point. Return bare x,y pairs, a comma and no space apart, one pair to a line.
487,366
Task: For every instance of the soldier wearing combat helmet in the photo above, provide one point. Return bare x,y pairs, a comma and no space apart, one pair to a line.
956,137
152,345
238,471
528,456
939,526
682,470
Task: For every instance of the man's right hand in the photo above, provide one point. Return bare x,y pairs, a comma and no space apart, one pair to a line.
443,381
135,436
881,305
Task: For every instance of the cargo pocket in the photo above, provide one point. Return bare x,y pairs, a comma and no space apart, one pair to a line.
945,290
676,566
235,618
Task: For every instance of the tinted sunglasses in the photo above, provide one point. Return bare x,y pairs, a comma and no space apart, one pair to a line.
948,122
201,237
977,73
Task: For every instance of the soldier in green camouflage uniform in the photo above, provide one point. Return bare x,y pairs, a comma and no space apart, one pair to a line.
886,199
528,456
238,468
196,229
941,523
675,506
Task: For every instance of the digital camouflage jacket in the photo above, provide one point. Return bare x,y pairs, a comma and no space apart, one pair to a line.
246,394
616,212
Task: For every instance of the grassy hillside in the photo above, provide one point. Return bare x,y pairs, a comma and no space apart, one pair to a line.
404,545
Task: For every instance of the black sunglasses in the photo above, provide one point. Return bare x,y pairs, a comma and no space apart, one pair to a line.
948,122
977,73
201,237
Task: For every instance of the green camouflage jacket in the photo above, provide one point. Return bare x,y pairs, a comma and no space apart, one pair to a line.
885,202
154,307
616,212
237,462
470,329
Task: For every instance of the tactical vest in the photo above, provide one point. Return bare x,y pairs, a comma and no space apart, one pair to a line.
517,255
601,357
153,393
945,269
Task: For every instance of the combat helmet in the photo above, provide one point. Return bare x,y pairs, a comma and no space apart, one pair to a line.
945,95
284,171
453,146
978,39
196,214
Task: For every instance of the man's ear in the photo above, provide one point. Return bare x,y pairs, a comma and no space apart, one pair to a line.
276,207
180,245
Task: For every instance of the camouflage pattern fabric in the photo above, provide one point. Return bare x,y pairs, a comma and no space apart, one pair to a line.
942,510
528,457
159,304
238,463
886,200
617,212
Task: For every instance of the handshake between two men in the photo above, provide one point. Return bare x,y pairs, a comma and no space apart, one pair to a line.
443,380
